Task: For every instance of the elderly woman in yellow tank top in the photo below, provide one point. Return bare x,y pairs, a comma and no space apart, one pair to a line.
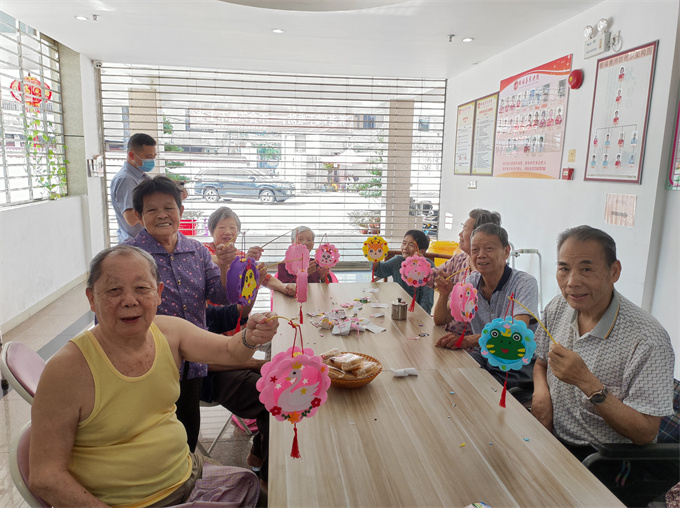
104,425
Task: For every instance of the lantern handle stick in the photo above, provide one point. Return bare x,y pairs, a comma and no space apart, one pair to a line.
233,240
284,261
281,317
455,273
273,239
533,316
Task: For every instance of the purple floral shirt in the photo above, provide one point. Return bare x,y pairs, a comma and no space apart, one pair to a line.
190,278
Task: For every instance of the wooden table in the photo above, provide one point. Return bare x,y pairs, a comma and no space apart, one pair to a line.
410,441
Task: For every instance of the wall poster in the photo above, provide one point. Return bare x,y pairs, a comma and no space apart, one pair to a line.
674,172
531,119
486,110
623,87
464,134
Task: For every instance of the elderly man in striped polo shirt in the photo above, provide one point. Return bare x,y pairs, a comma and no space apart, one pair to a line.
609,376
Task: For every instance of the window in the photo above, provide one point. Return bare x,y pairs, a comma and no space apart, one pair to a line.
368,122
342,155
31,121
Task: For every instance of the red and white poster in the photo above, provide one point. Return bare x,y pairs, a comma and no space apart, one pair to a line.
532,114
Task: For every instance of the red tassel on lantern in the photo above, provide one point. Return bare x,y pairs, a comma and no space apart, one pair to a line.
301,321
459,342
505,390
295,451
238,324
412,307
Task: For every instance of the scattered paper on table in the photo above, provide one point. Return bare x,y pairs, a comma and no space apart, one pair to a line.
342,328
380,305
372,327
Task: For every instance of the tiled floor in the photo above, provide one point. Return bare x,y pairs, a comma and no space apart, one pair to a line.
62,320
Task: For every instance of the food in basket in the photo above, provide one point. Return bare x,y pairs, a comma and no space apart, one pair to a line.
366,369
349,367
346,361
335,373
332,352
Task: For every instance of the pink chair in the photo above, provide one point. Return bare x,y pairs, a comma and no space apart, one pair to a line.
18,466
22,367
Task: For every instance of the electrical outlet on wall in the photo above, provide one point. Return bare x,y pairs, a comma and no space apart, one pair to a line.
472,184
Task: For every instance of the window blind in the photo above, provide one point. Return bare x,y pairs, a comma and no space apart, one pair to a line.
346,156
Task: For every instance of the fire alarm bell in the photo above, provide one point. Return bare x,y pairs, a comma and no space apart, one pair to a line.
576,79
567,173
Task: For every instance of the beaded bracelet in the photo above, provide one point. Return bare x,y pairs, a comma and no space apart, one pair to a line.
245,343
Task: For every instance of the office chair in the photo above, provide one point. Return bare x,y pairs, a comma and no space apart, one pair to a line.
659,462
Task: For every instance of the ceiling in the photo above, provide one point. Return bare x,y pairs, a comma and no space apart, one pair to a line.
397,39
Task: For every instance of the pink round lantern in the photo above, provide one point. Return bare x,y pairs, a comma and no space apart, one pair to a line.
293,386
416,271
463,302
327,255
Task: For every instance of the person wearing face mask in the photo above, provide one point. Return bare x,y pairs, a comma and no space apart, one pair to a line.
141,159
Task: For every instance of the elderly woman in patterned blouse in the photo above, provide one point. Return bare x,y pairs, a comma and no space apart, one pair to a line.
457,265
190,278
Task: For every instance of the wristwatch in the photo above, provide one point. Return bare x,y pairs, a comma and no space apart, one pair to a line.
599,396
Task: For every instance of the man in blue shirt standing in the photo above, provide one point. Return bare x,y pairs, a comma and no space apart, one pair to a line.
140,160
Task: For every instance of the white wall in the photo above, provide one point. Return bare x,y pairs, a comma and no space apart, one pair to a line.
667,291
534,211
46,246
96,186
41,255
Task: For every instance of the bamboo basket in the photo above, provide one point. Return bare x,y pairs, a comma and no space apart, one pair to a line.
357,383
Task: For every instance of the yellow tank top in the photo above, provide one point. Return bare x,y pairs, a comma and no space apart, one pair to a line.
131,451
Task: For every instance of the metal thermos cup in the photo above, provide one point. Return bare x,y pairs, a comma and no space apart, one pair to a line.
398,310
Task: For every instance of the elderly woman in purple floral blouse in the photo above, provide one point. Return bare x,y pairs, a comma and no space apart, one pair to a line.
190,277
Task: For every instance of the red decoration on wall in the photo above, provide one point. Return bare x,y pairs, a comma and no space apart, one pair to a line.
32,91
576,79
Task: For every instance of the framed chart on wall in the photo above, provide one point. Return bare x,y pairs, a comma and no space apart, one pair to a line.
674,171
623,87
531,121
465,126
486,110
